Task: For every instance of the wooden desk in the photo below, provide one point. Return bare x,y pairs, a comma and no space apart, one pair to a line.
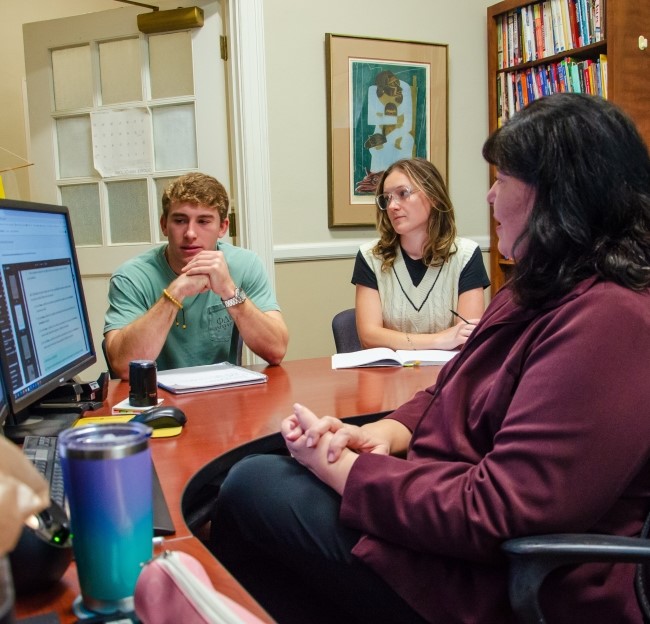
223,420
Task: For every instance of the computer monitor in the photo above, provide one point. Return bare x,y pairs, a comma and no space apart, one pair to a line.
4,403
45,335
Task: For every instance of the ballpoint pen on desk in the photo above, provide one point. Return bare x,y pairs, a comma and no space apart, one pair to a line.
460,317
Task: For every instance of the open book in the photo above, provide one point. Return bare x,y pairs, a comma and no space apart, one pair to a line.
208,377
383,356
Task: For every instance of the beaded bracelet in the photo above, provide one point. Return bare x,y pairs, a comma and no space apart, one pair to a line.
177,303
172,299
408,339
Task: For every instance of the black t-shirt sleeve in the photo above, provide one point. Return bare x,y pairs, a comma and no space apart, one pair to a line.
474,274
362,274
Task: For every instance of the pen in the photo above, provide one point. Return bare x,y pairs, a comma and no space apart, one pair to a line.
460,317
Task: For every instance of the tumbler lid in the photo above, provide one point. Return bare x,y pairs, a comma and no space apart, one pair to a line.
109,441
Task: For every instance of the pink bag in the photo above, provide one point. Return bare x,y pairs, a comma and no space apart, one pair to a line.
174,588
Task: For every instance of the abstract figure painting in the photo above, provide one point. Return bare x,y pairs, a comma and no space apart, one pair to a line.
387,100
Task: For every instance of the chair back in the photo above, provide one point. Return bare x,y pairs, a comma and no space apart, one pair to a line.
344,328
111,372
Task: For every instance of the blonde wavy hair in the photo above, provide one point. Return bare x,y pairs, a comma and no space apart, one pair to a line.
196,188
426,178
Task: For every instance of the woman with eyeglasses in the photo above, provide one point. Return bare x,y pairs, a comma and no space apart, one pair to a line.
409,281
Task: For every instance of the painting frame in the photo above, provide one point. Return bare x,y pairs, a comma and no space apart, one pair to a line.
378,112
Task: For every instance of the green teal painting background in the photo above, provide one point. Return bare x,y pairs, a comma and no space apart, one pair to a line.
363,76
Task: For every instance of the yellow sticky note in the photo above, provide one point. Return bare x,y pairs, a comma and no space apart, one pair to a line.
167,432
2,189
102,420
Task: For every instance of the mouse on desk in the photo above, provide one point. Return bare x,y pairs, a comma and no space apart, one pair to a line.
161,417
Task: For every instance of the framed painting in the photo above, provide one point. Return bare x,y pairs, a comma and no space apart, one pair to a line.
386,100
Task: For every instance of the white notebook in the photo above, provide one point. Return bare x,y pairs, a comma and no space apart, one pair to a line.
208,377
383,356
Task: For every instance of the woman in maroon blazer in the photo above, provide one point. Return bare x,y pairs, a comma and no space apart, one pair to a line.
540,425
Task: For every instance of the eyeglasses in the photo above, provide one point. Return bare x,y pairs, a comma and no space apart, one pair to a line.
400,195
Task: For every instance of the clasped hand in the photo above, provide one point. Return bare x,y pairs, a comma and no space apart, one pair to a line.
213,266
327,446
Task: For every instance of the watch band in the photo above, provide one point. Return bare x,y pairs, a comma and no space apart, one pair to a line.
236,299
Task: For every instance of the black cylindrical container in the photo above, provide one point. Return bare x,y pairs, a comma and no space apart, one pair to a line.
144,384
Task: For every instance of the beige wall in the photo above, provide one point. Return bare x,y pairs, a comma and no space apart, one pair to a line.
295,44
310,292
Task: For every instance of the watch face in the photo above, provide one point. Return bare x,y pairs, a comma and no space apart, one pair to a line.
237,298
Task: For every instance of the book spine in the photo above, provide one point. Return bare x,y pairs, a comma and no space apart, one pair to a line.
499,99
537,83
516,22
511,96
547,28
561,77
589,26
520,94
603,75
555,80
558,33
598,25
504,38
573,18
500,42
566,25
530,86
539,35
580,22
531,50
511,39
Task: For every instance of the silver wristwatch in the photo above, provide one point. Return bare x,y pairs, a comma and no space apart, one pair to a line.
236,299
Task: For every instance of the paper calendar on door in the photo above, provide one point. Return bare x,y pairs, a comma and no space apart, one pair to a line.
122,142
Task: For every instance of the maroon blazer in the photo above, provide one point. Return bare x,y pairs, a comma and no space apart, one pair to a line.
540,425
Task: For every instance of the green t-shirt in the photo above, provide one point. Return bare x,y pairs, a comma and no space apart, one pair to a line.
210,335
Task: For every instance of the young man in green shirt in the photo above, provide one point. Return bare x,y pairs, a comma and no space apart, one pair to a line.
185,303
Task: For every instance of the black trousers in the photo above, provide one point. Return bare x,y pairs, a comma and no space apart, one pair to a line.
275,527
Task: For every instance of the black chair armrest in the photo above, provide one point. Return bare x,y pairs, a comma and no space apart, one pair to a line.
533,558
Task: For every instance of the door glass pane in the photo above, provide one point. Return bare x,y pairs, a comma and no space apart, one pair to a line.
170,65
119,65
75,147
174,137
128,212
161,185
72,75
82,201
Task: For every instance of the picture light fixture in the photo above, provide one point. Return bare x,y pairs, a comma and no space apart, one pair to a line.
166,21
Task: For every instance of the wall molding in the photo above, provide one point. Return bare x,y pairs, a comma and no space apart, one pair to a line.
336,250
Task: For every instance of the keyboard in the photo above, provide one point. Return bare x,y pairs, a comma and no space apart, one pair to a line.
42,451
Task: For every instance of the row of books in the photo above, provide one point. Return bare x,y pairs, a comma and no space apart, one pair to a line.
516,89
542,29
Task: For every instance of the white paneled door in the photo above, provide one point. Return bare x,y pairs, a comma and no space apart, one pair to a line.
113,116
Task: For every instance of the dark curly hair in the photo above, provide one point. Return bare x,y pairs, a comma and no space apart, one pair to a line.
590,171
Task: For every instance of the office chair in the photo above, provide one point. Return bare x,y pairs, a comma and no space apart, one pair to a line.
111,372
533,558
344,328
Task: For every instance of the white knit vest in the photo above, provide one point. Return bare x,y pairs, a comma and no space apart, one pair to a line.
424,309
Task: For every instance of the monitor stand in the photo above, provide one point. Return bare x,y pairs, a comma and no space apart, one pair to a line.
50,423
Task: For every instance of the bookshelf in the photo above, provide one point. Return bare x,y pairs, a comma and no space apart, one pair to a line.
608,56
